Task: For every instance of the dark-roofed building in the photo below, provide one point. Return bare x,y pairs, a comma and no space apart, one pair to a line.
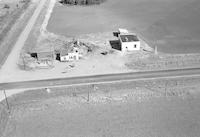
45,56
45,59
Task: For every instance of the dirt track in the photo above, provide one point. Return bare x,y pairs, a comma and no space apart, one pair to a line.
13,57
9,25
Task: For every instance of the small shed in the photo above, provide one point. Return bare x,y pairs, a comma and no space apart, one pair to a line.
122,31
129,42
45,56
45,59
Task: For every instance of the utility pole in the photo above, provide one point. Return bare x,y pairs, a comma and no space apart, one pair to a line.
24,63
88,97
4,91
156,50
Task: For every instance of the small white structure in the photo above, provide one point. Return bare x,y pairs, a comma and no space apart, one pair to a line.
129,42
69,55
122,31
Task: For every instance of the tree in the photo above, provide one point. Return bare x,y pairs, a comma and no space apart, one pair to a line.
6,6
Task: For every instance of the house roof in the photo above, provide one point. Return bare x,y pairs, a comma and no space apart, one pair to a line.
45,55
64,52
128,38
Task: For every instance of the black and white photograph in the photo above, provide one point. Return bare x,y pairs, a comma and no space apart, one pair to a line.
99,68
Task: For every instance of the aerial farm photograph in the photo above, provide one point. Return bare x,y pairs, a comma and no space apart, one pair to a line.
99,68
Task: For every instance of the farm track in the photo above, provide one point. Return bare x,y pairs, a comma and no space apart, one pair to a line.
15,53
5,34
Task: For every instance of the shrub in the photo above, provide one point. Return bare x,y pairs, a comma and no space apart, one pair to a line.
6,6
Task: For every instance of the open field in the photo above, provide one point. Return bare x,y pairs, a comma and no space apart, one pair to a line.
173,25
164,108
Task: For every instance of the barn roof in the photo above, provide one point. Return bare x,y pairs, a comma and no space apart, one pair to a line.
65,51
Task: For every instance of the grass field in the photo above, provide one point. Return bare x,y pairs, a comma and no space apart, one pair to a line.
68,117
173,24
74,117
128,109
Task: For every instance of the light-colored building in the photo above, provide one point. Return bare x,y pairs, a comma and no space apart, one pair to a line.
122,31
69,54
129,42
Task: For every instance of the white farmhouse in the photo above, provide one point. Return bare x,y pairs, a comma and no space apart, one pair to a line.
69,55
129,42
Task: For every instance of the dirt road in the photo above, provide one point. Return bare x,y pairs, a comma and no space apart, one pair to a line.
12,59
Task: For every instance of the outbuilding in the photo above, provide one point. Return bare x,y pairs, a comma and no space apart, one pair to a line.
129,42
45,59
